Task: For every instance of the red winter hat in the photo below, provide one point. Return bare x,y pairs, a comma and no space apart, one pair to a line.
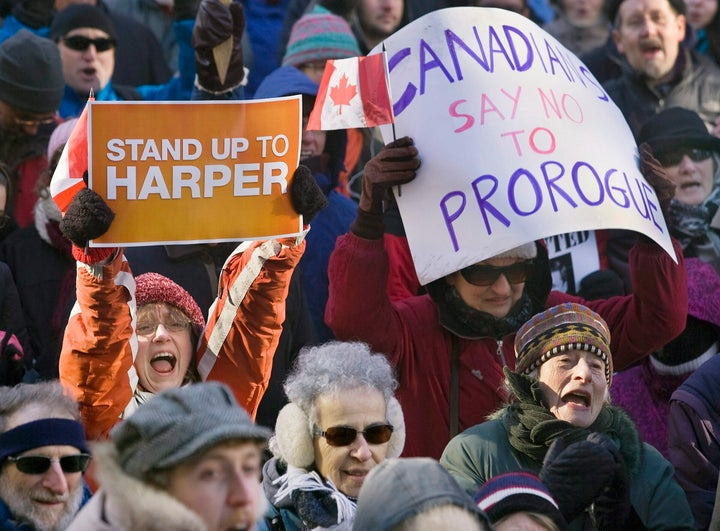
152,287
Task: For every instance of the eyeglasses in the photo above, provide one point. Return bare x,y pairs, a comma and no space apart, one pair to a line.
485,275
36,122
148,328
344,435
38,464
674,156
80,43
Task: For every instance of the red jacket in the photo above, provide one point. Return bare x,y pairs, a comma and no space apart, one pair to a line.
409,333
237,345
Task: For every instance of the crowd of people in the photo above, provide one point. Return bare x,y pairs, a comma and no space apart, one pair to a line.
310,381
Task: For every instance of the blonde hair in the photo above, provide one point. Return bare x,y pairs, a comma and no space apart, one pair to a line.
442,517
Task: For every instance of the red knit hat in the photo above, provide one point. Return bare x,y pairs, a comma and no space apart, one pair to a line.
152,287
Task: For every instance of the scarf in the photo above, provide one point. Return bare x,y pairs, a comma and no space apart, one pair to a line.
532,427
470,323
319,503
691,225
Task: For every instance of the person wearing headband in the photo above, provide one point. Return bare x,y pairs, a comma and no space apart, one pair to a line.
43,454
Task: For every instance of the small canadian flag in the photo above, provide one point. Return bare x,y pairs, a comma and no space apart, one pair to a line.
353,93
67,180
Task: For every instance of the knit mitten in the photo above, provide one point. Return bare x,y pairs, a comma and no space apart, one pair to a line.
306,196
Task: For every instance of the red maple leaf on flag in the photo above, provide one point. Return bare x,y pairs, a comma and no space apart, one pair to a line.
342,93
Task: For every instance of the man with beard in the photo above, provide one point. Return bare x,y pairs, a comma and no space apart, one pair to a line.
43,454
658,71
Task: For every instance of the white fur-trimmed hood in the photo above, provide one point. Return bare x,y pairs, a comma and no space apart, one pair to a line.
125,503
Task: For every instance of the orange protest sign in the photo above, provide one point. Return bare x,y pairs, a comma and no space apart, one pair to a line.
195,171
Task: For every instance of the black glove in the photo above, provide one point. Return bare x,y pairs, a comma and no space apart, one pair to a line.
655,174
215,24
35,13
88,216
576,474
612,507
396,163
185,9
306,196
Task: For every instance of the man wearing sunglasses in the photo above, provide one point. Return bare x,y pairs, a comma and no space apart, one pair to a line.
31,87
450,346
87,40
43,454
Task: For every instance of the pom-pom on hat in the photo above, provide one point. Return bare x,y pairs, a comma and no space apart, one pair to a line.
81,16
31,77
564,327
153,287
514,492
320,35
180,423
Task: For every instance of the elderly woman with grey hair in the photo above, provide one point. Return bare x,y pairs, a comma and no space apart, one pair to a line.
342,420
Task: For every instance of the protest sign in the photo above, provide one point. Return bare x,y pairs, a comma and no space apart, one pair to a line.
195,171
518,141
572,255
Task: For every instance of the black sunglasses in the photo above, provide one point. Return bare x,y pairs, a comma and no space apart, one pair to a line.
38,464
485,275
80,43
344,435
674,156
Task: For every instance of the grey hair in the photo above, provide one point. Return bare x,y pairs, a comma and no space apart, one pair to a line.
334,367
50,396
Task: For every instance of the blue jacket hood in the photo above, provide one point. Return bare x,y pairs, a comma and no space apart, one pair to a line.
288,80
285,81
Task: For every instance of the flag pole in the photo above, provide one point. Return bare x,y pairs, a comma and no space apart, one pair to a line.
394,136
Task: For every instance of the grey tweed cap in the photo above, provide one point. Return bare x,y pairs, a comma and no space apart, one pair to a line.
179,423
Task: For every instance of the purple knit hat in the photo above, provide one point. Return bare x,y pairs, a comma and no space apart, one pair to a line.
318,36
152,287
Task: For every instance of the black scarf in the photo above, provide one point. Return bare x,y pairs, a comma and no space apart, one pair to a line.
690,224
532,427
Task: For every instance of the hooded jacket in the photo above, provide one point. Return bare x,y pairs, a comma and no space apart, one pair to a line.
331,222
124,503
420,342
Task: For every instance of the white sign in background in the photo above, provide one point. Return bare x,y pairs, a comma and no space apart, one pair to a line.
518,141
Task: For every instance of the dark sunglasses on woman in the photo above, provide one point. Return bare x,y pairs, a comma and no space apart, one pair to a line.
345,435
486,275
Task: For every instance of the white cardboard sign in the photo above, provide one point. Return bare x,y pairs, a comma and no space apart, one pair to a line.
518,141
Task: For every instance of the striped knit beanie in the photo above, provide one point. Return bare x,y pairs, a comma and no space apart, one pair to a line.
515,492
152,287
564,327
320,35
